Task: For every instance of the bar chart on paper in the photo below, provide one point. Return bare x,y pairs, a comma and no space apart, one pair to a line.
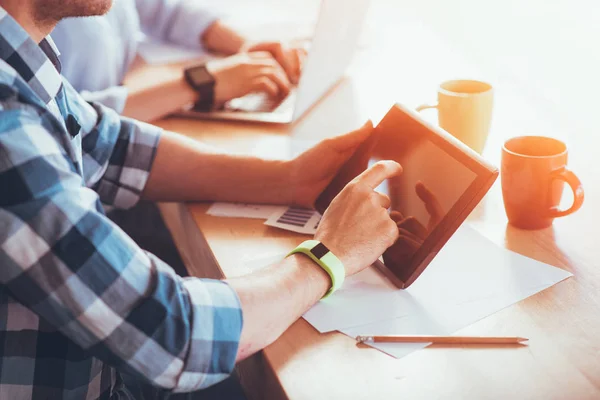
295,219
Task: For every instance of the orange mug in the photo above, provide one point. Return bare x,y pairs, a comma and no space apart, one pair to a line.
533,174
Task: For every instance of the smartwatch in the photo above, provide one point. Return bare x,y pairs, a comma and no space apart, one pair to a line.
321,255
202,81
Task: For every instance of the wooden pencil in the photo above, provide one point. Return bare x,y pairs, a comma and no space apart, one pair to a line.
440,339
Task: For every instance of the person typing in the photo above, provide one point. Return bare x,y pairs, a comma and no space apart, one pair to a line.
98,52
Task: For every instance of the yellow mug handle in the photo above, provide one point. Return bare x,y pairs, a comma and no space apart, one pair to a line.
425,107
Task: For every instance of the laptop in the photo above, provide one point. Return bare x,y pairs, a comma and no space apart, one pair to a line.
333,46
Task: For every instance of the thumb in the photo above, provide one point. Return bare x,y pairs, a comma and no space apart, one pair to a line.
350,141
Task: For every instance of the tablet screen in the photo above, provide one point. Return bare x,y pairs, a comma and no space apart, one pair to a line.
430,188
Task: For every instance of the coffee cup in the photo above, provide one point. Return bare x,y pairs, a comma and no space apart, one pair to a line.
465,111
533,173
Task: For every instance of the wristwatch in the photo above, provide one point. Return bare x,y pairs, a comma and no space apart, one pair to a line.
321,255
202,81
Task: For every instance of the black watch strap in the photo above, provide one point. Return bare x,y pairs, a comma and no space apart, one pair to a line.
202,81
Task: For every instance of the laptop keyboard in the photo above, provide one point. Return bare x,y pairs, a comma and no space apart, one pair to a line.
261,103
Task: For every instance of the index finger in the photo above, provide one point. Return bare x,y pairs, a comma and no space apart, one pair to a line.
379,172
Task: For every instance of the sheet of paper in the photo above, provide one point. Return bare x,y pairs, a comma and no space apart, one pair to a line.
158,53
359,300
242,210
470,279
295,219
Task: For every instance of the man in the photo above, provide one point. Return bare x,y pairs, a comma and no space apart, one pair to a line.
81,303
98,70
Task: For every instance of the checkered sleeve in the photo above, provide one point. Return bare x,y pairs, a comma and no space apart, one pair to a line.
177,21
63,259
118,153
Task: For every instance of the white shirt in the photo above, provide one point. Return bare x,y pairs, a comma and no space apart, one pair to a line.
96,52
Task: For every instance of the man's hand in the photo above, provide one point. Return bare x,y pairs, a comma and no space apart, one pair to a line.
244,73
291,59
357,227
312,170
223,39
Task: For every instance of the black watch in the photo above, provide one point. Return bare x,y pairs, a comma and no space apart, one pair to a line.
202,81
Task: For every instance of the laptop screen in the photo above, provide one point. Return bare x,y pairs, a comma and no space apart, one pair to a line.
333,46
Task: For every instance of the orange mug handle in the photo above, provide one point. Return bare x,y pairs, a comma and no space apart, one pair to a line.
575,184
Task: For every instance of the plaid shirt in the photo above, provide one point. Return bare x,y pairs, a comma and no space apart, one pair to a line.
79,301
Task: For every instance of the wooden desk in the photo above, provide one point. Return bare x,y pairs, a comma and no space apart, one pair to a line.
563,322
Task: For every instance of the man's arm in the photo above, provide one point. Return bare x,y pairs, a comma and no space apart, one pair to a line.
147,88
187,170
356,227
179,21
63,259
220,38
274,298
89,280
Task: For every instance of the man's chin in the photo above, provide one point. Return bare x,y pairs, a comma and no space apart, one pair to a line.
101,7
60,9
86,8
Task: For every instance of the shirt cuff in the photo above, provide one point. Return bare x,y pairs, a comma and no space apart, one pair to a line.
130,163
191,22
114,97
216,330
141,150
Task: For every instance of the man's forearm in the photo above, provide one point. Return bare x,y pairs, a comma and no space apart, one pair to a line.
222,39
187,170
274,298
150,86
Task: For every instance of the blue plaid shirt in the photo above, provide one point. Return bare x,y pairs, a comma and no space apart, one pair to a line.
79,300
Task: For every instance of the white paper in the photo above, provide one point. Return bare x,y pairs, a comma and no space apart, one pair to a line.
157,53
242,210
470,279
364,298
295,219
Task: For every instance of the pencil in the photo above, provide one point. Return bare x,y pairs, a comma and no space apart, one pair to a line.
440,339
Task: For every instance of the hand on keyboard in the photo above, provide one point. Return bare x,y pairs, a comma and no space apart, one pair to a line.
246,73
291,58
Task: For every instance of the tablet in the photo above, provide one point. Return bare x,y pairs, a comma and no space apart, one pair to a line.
441,183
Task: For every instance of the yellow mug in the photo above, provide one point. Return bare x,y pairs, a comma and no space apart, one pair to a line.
465,111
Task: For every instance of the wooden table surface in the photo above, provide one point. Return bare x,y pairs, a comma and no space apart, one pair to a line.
404,62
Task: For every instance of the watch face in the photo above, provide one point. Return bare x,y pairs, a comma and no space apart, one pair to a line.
199,75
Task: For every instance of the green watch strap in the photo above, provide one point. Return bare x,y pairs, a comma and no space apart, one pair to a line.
320,254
